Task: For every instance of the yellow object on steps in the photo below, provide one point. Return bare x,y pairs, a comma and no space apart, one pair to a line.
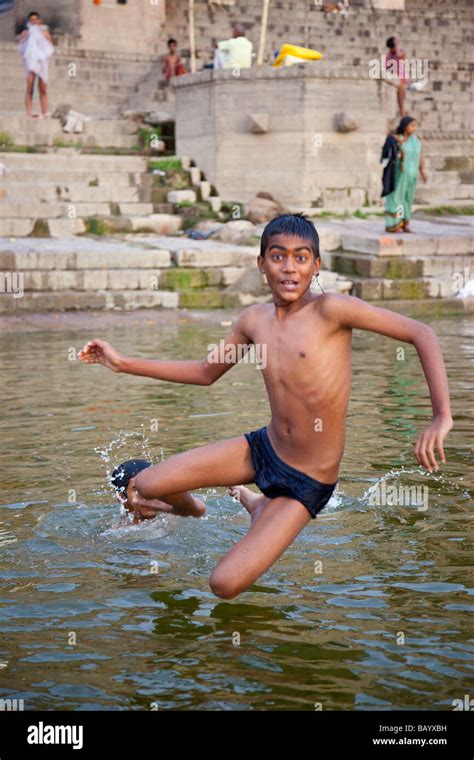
295,54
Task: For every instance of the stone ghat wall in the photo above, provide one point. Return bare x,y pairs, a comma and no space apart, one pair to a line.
64,15
136,26
428,28
435,5
276,131
297,155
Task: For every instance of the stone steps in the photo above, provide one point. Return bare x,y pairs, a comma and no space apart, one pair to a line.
64,89
360,265
59,199
439,194
450,178
71,160
88,62
56,190
67,300
93,218
83,139
133,220
429,239
116,274
79,254
335,32
92,74
104,104
442,163
103,132
75,192
116,300
102,84
19,122
27,179
55,227
379,289
431,262
95,108
91,279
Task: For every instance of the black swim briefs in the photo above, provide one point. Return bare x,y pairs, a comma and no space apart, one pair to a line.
276,478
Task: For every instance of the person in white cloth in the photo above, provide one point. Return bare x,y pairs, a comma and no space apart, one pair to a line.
36,48
235,53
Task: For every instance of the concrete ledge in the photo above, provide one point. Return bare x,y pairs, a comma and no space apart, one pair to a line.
89,260
100,300
92,279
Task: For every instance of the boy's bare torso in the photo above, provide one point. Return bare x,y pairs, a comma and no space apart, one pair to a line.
308,380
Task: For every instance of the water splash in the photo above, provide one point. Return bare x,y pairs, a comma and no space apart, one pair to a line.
396,474
126,445
148,530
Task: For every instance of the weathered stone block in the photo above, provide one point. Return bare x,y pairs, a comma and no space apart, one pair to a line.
183,279
368,290
203,298
163,224
121,279
95,279
405,289
181,196
215,202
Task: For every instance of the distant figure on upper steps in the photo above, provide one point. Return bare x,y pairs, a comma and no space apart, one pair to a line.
173,65
395,63
36,48
342,7
234,53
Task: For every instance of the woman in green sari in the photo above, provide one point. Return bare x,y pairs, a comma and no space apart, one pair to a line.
398,203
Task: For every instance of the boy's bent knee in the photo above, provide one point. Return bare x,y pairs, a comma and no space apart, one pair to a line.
223,585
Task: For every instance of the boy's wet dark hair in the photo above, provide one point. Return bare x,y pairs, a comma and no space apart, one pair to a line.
291,224
171,41
122,474
391,42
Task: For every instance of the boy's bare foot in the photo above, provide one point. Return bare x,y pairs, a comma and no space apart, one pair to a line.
253,502
147,509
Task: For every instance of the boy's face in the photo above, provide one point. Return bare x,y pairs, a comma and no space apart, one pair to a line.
172,48
289,265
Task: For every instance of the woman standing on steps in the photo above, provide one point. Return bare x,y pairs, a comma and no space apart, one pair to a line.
36,49
398,204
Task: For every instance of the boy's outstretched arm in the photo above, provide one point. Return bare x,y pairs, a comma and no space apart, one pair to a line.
194,372
352,312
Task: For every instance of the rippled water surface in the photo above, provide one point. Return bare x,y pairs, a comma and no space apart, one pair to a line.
98,615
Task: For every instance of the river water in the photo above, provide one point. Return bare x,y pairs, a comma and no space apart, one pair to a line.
370,608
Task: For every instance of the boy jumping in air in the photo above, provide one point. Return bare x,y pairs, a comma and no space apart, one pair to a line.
295,459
